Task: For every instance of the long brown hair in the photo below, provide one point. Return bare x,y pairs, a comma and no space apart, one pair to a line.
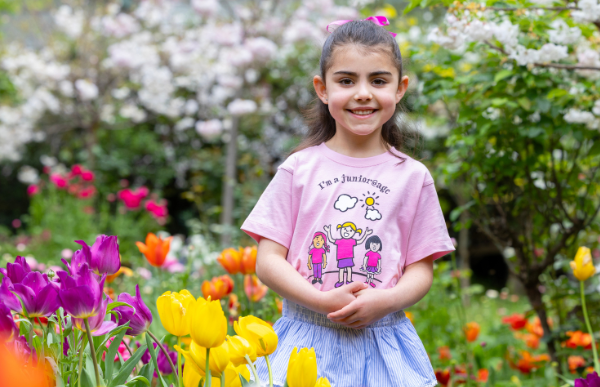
396,133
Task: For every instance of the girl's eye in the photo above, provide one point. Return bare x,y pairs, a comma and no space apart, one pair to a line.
346,81
379,81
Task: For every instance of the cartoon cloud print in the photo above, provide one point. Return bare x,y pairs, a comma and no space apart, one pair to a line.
345,202
373,214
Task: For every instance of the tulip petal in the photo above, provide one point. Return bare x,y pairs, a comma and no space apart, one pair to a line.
106,327
78,301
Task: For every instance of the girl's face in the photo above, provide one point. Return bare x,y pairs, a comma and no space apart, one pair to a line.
318,241
375,246
362,88
347,232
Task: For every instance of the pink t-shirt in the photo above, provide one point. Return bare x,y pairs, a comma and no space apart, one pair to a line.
372,258
316,255
394,202
345,248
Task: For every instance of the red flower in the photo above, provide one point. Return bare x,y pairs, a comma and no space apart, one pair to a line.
443,377
579,339
472,331
59,181
87,192
444,352
33,189
517,321
133,198
483,375
575,362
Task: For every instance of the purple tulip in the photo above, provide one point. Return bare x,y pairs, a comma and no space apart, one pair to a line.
103,256
8,328
9,299
163,363
38,293
146,356
77,261
139,316
16,271
81,297
21,348
98,326
66,346
592,380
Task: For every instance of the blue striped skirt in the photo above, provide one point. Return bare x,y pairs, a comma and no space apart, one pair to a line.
387,353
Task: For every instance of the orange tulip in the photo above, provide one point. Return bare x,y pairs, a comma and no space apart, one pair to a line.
483,375
14,372
279,303
472,331
517,321
218,287
155,250
535,327
254,289
122,270
527,363
410,316
249,260
444,353
443,377
579,339
575,362
231,260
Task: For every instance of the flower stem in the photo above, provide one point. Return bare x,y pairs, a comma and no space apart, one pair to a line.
164,352
60,351
256,379
207,369
93,350
223,379
83,343
179,374
269,368
130,354
589,327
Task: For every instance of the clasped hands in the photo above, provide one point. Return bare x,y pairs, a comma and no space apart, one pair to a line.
356,305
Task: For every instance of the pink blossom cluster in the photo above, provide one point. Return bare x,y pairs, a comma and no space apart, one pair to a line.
78,182
133,199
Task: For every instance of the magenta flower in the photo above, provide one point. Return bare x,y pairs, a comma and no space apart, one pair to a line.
21,348
102,258
133,198
8,328
158,210
81,296
139,316
16,271
59,181
98,326
38,293
7,297
33,189
163,363
592,380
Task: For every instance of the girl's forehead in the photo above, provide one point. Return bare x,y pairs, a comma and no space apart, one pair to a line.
359,59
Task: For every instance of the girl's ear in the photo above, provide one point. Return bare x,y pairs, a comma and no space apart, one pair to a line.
320,88
402,87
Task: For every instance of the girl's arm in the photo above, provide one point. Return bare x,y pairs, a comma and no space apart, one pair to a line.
328,231
364,265
275,272
373,304
364,236
309,261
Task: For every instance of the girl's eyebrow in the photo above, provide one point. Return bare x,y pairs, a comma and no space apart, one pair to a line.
351,73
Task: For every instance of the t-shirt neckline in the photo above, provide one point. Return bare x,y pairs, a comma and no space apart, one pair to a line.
355,161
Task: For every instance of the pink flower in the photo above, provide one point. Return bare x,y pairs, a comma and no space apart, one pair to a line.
59,181
33,189
122,350
76,170
158,210
172,265
133,198
87,175
86,192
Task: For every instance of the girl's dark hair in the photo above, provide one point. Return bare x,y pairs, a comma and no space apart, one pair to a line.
373,239
370,36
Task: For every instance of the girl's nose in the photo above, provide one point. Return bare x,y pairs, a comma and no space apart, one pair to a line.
363,93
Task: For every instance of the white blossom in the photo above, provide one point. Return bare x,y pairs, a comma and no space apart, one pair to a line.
86,89
69,21
478,31
589,11
576,116
185,123
239,107
562,33
205,8
119,26
209,129
261,48
28,175
132,112
506,33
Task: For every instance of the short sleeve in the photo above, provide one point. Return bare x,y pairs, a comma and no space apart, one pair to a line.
271,217
428,233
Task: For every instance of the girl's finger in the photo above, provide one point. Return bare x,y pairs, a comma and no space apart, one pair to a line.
346,311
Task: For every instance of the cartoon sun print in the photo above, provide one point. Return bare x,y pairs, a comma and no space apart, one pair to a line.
370,201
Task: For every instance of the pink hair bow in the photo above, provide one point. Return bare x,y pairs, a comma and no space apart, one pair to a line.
379,20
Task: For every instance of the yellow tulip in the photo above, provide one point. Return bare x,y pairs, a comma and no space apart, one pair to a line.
322,382
208,324
238,349
302,368
582,265
196,358
191,378
232,378
173,310
258,333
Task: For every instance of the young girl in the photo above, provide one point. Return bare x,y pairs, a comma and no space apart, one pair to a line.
361,335
345,248
317,258
372,261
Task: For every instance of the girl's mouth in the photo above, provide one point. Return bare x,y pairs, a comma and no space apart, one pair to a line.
362,113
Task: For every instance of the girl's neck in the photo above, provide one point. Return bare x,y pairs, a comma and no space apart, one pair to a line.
353,145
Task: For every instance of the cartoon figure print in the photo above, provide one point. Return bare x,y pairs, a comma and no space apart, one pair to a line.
317,258
372,261
345,248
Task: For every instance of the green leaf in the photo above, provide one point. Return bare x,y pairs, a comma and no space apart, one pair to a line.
501,75
147,371
110,356
556,93
153,356
595,149
137,379
110,334
525,103
128,367
413,4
